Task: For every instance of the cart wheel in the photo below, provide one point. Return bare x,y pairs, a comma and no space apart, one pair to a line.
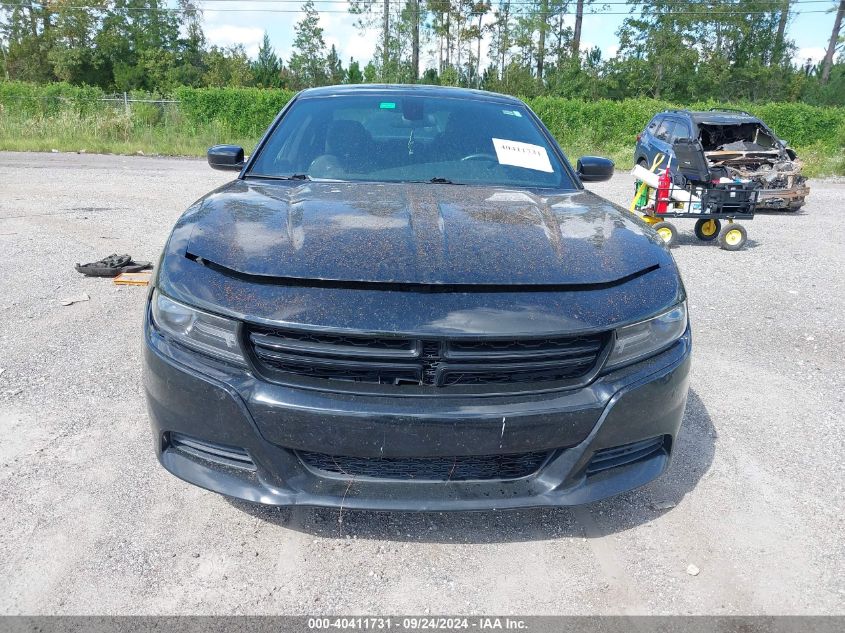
667,232
733,237
707,230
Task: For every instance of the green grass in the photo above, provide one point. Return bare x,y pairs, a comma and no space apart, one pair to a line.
821,160
113,132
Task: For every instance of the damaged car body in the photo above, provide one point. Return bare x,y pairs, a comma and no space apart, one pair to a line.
408,301
738,143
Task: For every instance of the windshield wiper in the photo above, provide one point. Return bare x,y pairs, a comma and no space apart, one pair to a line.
291,177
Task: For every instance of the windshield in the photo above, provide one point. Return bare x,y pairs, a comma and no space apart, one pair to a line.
396,138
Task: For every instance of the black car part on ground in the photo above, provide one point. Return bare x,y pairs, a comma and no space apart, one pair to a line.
112,266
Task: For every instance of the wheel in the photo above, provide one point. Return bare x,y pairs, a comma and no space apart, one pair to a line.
732,237
667,232
707,230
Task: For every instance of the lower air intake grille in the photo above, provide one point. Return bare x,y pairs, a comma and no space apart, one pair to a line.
462,468
608,458
209,451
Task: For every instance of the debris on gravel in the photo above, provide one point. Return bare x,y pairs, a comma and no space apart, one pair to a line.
77,299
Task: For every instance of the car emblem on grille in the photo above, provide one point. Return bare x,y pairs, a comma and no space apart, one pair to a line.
431,362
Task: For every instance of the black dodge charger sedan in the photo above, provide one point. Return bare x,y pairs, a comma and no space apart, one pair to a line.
407,300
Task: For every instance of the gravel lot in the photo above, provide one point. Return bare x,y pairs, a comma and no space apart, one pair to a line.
89,522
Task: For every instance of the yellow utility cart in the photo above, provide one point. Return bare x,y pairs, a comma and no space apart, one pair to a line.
714,205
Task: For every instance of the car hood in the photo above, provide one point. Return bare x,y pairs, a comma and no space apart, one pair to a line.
410,233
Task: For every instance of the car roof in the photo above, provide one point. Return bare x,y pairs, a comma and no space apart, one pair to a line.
410,89
716,117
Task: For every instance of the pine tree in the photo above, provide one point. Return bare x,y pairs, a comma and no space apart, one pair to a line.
334,66
308,62
370,73
267,68
353,73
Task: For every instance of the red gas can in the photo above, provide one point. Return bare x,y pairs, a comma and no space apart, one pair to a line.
664,184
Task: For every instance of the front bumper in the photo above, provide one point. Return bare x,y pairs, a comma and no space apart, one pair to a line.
783,198
197,397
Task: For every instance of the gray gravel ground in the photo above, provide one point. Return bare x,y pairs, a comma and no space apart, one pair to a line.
89,522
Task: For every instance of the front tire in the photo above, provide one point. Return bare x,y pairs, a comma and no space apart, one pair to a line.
667,232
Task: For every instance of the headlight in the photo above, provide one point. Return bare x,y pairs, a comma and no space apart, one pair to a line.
201,331
646,338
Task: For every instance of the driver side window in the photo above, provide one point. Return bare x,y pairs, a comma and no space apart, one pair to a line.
666,130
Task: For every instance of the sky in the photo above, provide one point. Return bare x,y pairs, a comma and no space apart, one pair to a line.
228,22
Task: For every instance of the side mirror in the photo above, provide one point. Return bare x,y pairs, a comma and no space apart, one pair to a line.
594,169
226,157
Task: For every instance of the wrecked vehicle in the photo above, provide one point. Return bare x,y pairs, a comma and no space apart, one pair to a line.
407,301
736,141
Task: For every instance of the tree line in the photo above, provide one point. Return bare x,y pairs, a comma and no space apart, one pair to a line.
678,50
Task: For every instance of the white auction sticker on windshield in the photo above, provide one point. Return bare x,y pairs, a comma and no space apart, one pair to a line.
522,155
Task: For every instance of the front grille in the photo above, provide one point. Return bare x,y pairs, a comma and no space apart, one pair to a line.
382,360
460,468
608,458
